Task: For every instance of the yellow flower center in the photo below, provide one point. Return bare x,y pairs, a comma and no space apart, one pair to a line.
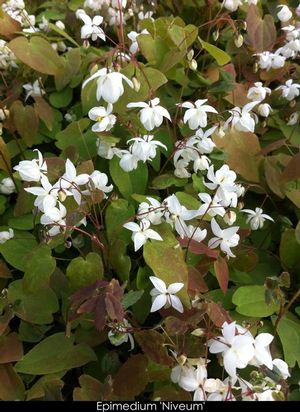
99,118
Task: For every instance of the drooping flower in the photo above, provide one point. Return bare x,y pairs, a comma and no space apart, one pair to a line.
264,109
225,238
289,90
91,28
141,233
237,349
284,14
152,114
152,211
144,148
164,296
33,89
133,35
71,181
98,180
242,119
256,218
32,170
258,92
7,186
109,84
119,334
282,367
46,195
232,5
196,115
55,217
6,235
104,118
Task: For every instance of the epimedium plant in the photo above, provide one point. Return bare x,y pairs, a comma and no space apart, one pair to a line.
149,200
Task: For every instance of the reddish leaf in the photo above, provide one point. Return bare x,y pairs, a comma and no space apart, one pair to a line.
272,146
11,386
100,314
4,157
217,314
44,111
152,344
8,26
198,247
114,308
11,349
171,393
175,326
222,273
132,378
56,167
26,121
115,289
90,390
245,261
196,282
4,271
292,170
261,33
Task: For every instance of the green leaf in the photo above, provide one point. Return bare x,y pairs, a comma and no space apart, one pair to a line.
166,259
16,251
72,66
62,98
118,213
219,55
289,333
118,259
167,180
39,267
36,307
38,54
63,34
75,135
289,249
54,354
83,272
131,298
129,182
250,301
24,222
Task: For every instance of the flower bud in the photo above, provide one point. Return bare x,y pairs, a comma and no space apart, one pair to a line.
238,41
62,195
264,109
136,84
7,186
293,119
215,35
193,65
4,114
230,217
190,55
293,103
181,359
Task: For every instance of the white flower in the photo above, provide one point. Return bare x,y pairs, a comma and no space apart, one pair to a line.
119,334
290,90
152,114
6,235
107,150
7,186
269,60
129,161
262,355
105,120
144,148
258,92
109,84
193,380
264,109
284,14
282,368
266,395
151,211
165,297
196,233
196,115
293,119
210,205
115,3
146,15
98,180
178,214
54,216
224,177
70,181
225,238
96,5
298,10
91,27
257,218
241,119
202,141
133,35
46,195
237,349
141,233
32,170
33,89
232,5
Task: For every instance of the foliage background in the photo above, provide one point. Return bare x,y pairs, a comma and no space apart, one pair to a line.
38,275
